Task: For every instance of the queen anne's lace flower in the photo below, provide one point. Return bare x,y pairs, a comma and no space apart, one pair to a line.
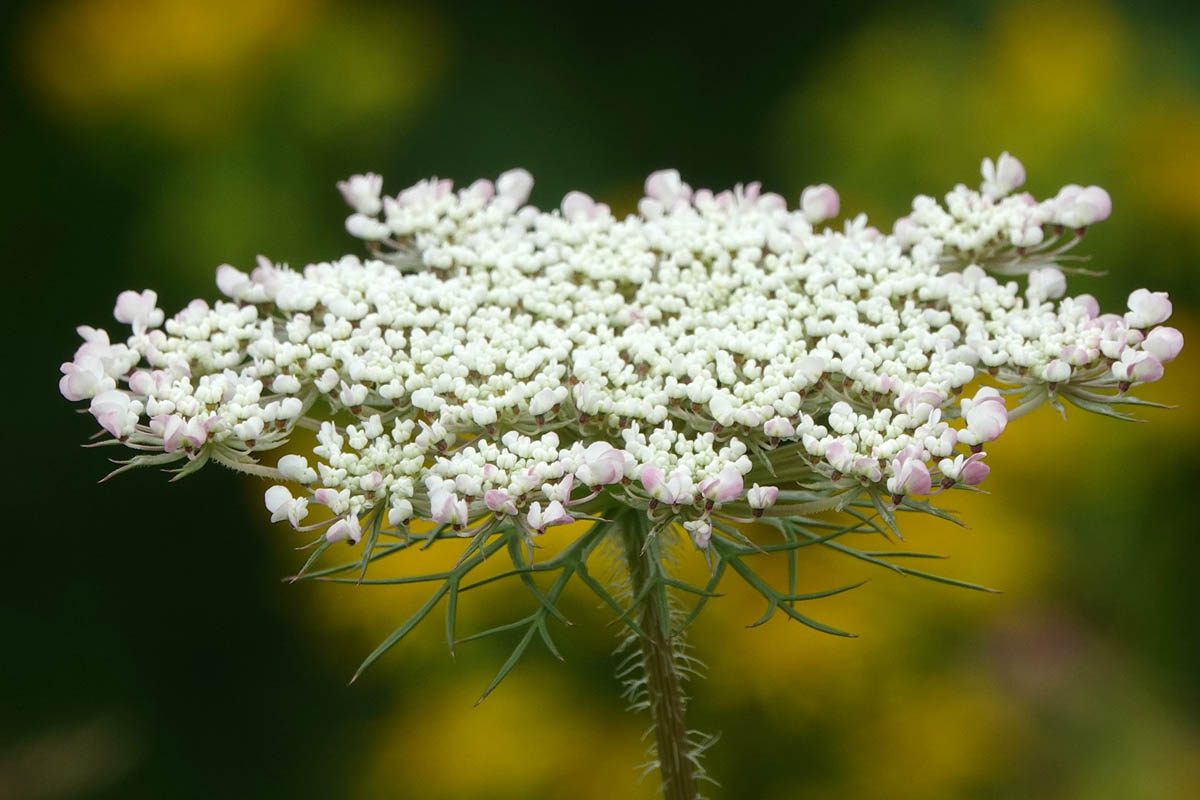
494,361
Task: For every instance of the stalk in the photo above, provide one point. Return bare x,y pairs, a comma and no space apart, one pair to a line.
664,692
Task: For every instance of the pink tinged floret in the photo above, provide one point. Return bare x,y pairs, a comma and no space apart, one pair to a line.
336,501
1090,305
700,531
361,192
1137,366
554,514
761,498
779,428
603,465
986,417
480,191
231,281
1003,176
667,187
446,507
868,468
964,469
820,203
560,491
839,455
139,311
974,470
195,432
653,481
513,187
171,429
680,487
346,529
1147,308
84,378
371,482
1057,371
579,207
400,512
499,502
360,226
1078,206
911,402
906,231
1164,343
282,505
1047,283
112,410
911,476
724,487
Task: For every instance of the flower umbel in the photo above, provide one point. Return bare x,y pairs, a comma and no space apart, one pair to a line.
496,370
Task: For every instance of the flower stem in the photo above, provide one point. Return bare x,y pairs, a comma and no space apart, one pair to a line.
664,692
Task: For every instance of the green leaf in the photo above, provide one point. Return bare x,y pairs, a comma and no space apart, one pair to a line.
402,631
509,664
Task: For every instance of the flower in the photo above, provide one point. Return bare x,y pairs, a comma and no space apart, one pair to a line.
139,311
910,476
761,498
1078,206
447,508
1164,343
1137,366
820,203
346,529
602,465
499,501
1147,309
282,505
1002,177
700,530
295,468
1046,284
554,514
578,207
114,411
965,469
986,417
680,350
1057,371
723,487
361,192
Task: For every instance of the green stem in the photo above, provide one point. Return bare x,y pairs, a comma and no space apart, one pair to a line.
666,699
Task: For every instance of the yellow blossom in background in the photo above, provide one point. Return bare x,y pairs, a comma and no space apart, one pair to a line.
191,71
945,694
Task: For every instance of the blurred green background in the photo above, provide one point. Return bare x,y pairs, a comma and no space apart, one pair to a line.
149,647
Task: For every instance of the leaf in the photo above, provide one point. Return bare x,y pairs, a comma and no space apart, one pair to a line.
372,537
322,546
509,664
718,571
862,556
451,616
401,632
776,601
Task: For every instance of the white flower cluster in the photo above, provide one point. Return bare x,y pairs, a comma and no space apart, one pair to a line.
493,363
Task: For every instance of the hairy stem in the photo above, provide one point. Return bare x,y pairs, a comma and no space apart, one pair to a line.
664,692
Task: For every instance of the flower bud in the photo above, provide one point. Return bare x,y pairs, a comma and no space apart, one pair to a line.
1147,309
701,532
1002,177
820,203
761,498
723,487
1164,343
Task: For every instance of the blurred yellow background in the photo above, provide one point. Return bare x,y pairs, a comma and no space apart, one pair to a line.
154,652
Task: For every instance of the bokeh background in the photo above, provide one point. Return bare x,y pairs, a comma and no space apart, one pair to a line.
148,648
